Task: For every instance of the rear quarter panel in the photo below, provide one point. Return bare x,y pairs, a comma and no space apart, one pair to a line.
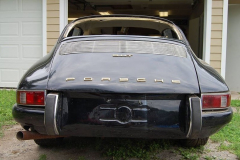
210,80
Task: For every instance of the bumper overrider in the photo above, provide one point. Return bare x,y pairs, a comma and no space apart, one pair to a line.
125,120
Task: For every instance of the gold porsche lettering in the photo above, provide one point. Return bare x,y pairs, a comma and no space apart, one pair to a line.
176,81
105,79
87,79
123,79
158,80
70,79
141,80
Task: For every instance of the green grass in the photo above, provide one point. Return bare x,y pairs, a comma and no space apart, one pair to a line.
235,103
121,148
191,153
42,157
7,100
229,136
126,148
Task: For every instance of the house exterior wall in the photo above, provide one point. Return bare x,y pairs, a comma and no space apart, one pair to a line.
233,48
52,23
216,34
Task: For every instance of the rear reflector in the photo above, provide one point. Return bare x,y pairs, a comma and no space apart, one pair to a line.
31,97
216,101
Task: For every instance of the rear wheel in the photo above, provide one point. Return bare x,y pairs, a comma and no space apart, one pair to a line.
194,142
49,142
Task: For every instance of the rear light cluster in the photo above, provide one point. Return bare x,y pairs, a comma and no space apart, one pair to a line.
31,97
216,101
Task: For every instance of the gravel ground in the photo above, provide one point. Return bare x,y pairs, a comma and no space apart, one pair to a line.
11,148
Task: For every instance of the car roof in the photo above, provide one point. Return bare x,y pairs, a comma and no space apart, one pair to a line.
123,15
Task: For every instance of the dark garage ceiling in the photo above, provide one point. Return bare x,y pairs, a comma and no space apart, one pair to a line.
177,9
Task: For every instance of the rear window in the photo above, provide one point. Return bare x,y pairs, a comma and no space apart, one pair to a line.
115,47
122,26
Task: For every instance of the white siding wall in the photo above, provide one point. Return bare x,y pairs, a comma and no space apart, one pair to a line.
233,48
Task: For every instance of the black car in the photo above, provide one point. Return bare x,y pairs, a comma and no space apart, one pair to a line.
122,76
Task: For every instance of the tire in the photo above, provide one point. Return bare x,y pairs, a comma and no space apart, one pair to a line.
49,142
194,142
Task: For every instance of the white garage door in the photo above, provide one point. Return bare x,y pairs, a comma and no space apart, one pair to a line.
20,38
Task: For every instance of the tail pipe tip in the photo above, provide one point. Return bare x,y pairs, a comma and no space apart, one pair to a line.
28,135
19,135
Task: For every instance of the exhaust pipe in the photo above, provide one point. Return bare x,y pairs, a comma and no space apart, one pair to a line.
27,135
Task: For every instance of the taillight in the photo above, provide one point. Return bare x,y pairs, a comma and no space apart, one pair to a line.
218,100
31,97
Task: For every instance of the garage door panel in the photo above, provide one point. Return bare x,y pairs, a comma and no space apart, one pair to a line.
9,29
9,75
32,29
20,38
9,84
25,53
8,5
31,5
14,63
8,42
9,48
21,15
32,51
17,29
25,64
23,39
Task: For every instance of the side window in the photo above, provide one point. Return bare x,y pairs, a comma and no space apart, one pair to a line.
75,32
168,33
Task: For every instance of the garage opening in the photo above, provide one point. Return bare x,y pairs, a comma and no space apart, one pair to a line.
187,14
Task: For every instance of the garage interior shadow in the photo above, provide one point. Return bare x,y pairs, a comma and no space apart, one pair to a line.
187,14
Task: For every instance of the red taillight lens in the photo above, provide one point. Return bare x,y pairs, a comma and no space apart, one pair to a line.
216,100
31,97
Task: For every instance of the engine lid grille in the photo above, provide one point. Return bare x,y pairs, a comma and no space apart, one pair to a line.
115,46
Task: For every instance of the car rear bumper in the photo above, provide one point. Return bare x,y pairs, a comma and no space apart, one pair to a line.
211,123
29,117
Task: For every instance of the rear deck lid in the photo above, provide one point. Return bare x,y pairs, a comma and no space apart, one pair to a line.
123,66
